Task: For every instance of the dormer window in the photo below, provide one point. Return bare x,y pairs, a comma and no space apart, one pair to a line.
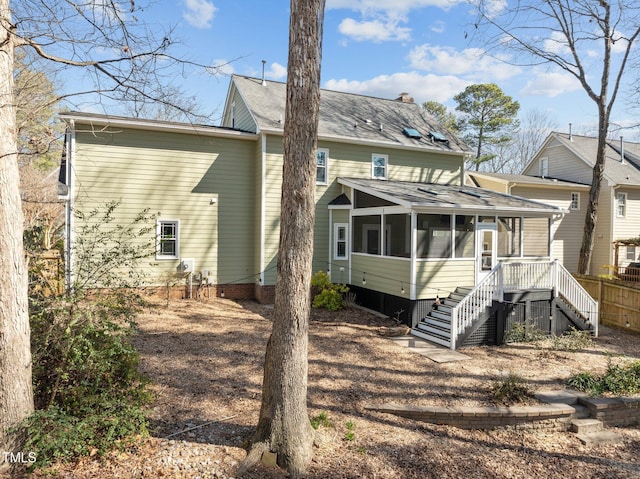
379,165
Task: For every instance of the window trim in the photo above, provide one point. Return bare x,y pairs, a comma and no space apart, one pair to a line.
326,166
159,225
623,204
577,194
336,241
544,167
373,166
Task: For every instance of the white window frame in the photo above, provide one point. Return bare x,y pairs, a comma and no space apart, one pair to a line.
631,249
324,151
375,156
621,204
544,167
159,238
575,205
337,240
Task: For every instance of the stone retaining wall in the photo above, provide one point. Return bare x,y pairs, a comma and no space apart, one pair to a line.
554,417
617,411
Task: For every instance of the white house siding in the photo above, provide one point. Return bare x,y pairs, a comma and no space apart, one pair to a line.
175,176
439,278
566,231
563,164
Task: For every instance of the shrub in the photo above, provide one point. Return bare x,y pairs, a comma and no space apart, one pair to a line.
88,391
574,340
326,294
510,389
617,379
524,332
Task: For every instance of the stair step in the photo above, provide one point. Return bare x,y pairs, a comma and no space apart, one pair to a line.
445,308
463,290
434,328
431,338
444,316
585,426
598,438
581,412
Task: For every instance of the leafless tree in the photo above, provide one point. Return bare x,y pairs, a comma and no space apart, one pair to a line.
105,42
284,427
566,33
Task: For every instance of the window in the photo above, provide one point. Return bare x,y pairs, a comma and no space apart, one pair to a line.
575,201
434,236
544,167
509,230
322,168
631,253
167,231
379,166
340,241
535,237
621,205
397,235
465,236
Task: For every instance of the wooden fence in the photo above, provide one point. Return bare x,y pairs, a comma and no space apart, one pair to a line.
619,301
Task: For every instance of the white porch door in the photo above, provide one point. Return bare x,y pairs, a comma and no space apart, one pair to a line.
486,249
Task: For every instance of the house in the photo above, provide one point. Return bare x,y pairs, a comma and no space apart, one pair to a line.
560,174
394,219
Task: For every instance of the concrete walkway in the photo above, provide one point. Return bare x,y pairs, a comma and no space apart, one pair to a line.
435,352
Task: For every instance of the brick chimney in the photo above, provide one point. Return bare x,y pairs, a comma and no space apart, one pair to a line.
405,98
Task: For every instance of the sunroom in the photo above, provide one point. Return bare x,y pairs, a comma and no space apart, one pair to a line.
403,246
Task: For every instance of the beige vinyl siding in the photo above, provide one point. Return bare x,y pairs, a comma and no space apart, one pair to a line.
383,274
345,160
176,177
563,164
238,115
490,184
603,249
628,226
566,230
442,277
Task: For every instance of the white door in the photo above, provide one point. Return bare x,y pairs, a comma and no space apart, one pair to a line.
486,249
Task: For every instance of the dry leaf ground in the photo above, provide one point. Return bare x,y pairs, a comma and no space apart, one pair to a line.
205,361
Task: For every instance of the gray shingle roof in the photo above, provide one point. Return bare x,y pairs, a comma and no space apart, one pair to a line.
627,173
528,180
352,117
427,195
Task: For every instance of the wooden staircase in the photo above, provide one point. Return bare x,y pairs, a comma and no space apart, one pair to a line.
436,326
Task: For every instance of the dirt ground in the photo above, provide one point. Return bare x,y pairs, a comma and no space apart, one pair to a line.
205,361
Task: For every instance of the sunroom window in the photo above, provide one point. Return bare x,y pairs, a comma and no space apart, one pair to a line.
434,236
509,236
366,234
536,237
465,236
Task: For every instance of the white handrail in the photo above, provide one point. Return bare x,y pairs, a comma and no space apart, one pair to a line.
522,276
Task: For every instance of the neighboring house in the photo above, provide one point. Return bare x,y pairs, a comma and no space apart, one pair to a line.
394,219
560,173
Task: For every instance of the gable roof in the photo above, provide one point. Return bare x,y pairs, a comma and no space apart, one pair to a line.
349,117
526,180
615,171
430,195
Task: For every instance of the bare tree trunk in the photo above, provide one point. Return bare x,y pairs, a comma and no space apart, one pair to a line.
284,427
588,237
16,395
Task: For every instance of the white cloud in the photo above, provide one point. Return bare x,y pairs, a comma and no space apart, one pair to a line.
276,71
421,87
438,26
550,84
374,30
389,6
199,13
473,63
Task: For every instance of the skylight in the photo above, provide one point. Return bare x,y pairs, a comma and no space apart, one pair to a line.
412,133
438,136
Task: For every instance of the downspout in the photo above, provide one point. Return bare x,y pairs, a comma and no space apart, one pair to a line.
263,185
68,207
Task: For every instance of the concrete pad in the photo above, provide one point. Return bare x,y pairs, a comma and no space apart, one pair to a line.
558,396
598,438
435,352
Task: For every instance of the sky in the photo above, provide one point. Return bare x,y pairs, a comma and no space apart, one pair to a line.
371,47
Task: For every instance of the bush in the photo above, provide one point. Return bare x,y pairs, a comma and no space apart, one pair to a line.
524,332
88,391
326,294
511,389
574,340
616,380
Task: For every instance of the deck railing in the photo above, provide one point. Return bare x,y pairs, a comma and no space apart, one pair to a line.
506,277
